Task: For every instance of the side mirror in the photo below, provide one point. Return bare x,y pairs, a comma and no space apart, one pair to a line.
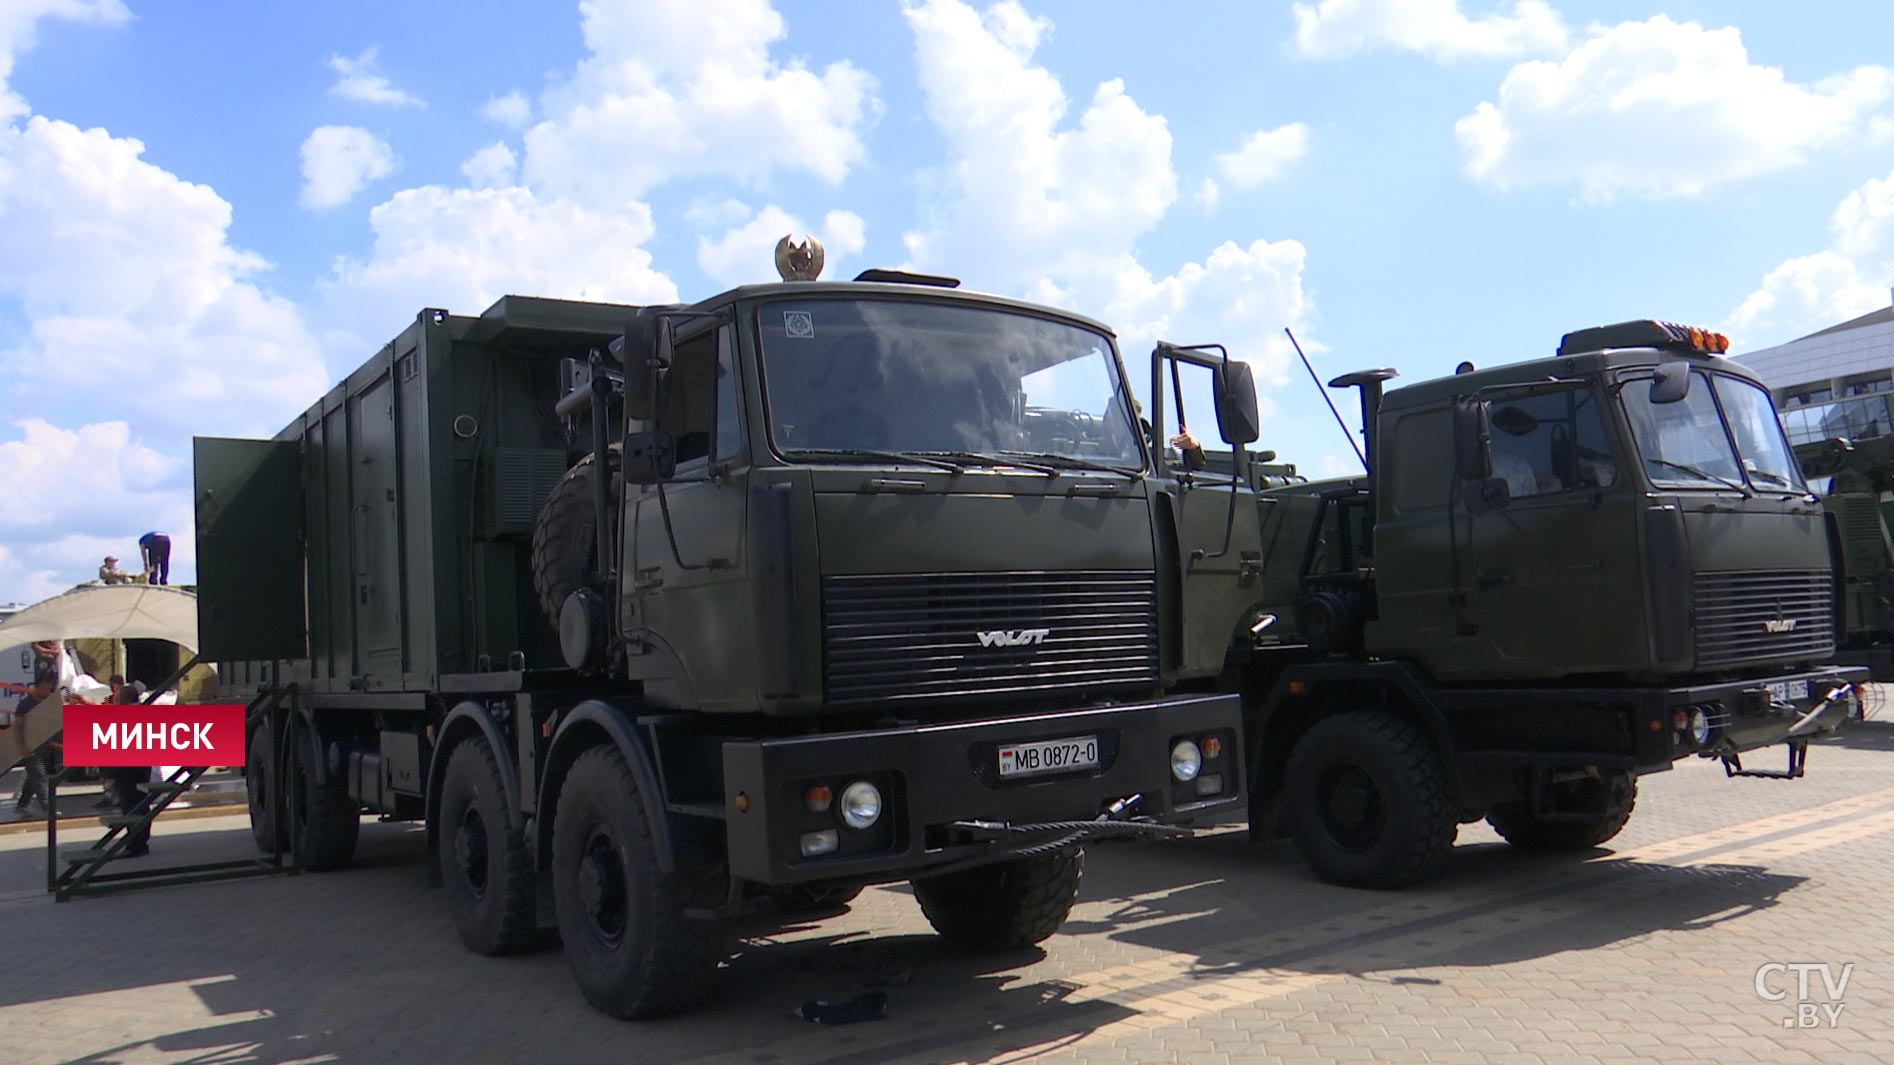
1237,421
647,340
649,457
1671,383
1487,493
1472,441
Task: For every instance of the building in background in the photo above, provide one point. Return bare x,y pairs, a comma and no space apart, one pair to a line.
1834,382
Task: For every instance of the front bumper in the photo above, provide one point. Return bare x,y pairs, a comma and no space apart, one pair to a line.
933,779
1746,715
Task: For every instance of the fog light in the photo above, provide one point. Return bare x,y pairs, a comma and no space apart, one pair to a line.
1699,727
861,804
1186,761
1210,784
816,844
818,798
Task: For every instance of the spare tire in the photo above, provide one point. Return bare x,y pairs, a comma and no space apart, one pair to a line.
565,540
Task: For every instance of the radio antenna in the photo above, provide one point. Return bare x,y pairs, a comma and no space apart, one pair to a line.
1331,403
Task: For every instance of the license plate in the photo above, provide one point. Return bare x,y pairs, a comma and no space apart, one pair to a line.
1048,756
1789,691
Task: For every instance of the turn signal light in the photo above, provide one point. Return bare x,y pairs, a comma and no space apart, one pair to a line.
1211,746
818,798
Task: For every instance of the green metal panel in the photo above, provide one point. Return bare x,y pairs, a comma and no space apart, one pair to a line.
248,494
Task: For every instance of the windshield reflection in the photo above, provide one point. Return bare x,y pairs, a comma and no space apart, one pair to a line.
916,377
1723,434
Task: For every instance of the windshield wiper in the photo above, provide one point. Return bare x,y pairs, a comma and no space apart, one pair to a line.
974,458
1705,474
1069,462
865,453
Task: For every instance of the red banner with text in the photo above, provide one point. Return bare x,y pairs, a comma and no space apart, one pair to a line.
117,734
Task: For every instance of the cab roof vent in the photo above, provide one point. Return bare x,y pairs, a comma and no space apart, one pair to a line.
902,277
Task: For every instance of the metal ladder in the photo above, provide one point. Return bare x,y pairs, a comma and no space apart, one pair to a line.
78,870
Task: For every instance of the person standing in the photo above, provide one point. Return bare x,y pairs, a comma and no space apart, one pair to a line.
125,781
33,789
156,547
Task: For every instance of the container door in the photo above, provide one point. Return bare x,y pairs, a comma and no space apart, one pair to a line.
375,533
250,594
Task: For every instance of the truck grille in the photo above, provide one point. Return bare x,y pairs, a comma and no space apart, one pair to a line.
1754,615
930,636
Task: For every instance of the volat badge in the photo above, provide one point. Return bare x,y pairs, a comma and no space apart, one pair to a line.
799,324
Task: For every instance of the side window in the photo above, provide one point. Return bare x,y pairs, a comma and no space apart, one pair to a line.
1551,443
1418,451
686,413
729,412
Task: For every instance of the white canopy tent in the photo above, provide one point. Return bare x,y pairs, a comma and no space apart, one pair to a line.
105,611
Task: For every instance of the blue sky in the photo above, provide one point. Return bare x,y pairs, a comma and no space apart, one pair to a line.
210,212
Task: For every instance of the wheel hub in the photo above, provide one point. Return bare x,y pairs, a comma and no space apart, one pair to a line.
470,851
602,887
1352,810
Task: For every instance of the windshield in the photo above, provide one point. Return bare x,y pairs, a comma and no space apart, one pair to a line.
910,377
1689,444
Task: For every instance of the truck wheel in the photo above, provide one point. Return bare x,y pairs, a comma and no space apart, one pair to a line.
327,820
1006,905
621,918
259,781
1368,801
565,540
1516,824
484,868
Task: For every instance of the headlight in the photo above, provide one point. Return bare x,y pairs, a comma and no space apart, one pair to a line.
1186,761
861,804
1699,727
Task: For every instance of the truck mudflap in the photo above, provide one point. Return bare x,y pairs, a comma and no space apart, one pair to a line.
947,796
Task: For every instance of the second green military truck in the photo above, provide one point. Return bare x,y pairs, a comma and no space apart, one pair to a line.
656,616
1556,576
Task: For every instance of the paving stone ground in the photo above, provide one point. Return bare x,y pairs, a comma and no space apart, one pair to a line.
1209,950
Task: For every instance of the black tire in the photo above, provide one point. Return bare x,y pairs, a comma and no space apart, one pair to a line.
485,871
327,821
1006,905
565,541
1516,824
259,782
1368,801
621,918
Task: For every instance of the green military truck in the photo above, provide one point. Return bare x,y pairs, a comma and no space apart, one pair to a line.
1858,492
1556,576
658,616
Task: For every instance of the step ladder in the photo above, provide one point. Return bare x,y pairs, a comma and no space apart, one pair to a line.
76,870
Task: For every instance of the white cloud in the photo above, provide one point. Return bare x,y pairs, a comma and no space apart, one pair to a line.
491,167
1333,29
512,110
134,301
1025,194
463,248
339,161
746,253
1846,279
1208,194
1661,108
17,19
1264,155
1030,203
358,79
676,87
96,478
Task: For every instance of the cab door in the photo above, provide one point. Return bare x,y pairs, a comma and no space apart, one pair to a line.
687,575
1212,504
